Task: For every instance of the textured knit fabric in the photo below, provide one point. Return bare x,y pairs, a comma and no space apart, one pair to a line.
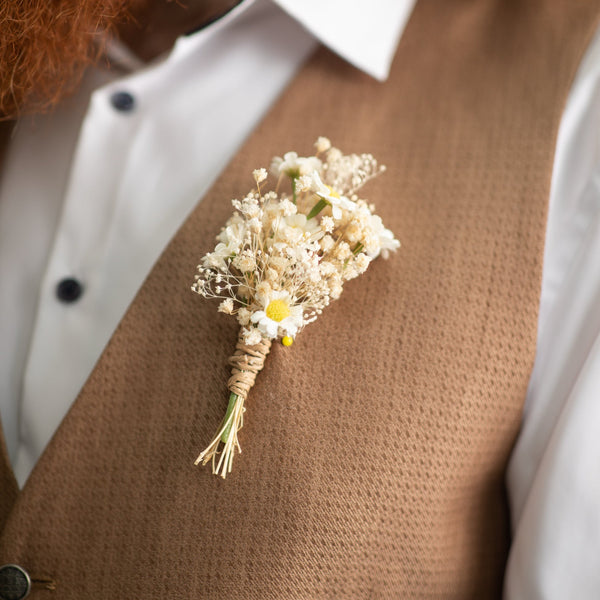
8,485
375,447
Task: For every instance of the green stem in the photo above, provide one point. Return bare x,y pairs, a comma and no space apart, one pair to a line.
317,208
294,189
232,400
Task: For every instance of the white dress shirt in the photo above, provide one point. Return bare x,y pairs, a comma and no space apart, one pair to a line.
95,193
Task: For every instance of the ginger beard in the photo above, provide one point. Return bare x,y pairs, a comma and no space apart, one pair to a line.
45,47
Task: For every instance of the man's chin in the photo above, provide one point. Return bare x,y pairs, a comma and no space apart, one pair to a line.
45,47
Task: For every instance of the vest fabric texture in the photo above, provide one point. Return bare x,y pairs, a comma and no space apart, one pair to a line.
374,449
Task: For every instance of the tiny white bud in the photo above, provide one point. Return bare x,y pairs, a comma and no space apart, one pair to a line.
322,144
259,175
226,306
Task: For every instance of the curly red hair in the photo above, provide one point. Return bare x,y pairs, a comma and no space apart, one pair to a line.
45,46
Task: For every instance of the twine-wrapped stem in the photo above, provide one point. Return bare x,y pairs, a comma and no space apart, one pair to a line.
246,363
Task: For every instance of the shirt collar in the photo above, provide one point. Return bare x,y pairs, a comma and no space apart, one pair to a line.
365,34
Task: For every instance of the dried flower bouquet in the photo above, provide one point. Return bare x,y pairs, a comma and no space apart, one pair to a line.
282,258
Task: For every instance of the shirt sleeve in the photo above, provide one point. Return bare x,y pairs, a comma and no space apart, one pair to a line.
553,475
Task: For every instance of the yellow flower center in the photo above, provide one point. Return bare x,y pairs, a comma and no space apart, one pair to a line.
332,192
278,310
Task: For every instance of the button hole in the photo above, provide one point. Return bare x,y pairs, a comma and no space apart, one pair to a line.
46,583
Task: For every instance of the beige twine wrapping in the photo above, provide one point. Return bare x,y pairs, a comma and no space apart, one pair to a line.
247,362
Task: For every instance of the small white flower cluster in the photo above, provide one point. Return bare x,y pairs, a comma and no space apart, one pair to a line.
282,257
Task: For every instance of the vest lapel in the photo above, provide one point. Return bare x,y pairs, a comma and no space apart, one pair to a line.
8,484
374,449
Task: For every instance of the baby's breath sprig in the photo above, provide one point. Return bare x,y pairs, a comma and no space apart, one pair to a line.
282,257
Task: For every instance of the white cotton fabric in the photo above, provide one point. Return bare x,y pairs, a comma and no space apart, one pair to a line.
365,34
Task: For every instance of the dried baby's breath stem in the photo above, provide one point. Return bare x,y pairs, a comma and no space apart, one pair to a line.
247,362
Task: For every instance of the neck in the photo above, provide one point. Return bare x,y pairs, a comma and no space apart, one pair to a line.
155,26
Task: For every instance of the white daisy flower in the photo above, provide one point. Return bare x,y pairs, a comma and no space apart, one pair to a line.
294,166
382,240
294,228
218,258
234,232
314,184
279,316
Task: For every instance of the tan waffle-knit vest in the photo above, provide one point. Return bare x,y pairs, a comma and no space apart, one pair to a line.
375,447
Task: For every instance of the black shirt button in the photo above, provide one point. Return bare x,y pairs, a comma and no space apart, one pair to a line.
123,101
15,583
68,290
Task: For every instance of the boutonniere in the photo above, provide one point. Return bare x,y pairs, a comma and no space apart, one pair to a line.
281,258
